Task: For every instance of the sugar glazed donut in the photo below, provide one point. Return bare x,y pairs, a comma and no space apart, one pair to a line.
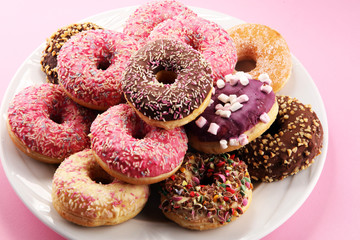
168,83
54,44
133,151
240,110
145,18
207,192
289,146
267,48
47,125
209,38
83,193
91,64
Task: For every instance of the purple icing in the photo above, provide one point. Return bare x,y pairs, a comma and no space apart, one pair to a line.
241,120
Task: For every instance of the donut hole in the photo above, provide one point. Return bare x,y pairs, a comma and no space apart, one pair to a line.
165,76
98,175
140,131
57,118
245,64
104,63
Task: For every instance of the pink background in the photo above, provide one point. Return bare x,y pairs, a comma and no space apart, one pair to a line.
323,35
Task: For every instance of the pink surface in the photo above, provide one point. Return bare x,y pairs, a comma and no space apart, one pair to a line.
323,35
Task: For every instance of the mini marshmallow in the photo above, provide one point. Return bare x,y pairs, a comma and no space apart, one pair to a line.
264,118
233,142
213,128
225,113
266,88
232,98
234,80
236,106
201,121
228,77
223,97
220,83
243,139
212,90
223,144
219,106
211,102
264,77
243,98
243,78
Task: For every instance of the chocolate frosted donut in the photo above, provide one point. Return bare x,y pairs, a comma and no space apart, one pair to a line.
288,146
168,83
54,44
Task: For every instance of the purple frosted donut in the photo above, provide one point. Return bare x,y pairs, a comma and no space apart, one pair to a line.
140,24
90,67
240,110
207,37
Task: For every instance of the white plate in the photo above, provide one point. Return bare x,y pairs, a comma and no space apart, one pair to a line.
272,203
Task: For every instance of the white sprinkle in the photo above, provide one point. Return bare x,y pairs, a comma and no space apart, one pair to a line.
201,121
233,142
265,118
223,144
223,97
213,128
220,83
236,106
264,77
243,139
225,113
266,88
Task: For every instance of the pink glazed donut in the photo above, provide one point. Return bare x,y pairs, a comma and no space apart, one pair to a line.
133,151
90,66
140,24
47,125
207,37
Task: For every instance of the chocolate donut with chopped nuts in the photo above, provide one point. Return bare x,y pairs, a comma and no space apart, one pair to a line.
288,146
54,44
208,191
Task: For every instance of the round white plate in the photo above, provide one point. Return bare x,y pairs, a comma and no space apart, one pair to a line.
272,205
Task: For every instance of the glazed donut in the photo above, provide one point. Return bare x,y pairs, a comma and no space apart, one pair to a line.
207,192
267,48
240,110
210,39
47,125
54,44
91,64
133,151
140,24
289,145
83,193
167,83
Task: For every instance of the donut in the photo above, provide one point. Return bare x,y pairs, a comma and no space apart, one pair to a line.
207,192
209,38
240,110
54,44
91,64
167,83
145,18
265,48
84,194
288,146
133,151
47,125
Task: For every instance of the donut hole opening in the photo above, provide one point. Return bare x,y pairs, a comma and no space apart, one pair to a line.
139,132
99,175
57,118
245,65
104,63
165,76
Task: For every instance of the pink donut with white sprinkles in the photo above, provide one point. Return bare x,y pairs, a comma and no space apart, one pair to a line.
47,125
90,67
240,110
207,37
133,151
145,18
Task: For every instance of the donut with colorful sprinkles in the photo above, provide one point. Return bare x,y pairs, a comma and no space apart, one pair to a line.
133,151
47,125
241,109
84,194
91,64
207,192
145,18
288,146
209,38
168,83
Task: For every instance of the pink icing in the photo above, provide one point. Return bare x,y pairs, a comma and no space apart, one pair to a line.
205,36
91,63
48,122
130,146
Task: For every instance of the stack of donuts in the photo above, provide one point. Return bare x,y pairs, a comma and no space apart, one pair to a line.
165,101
